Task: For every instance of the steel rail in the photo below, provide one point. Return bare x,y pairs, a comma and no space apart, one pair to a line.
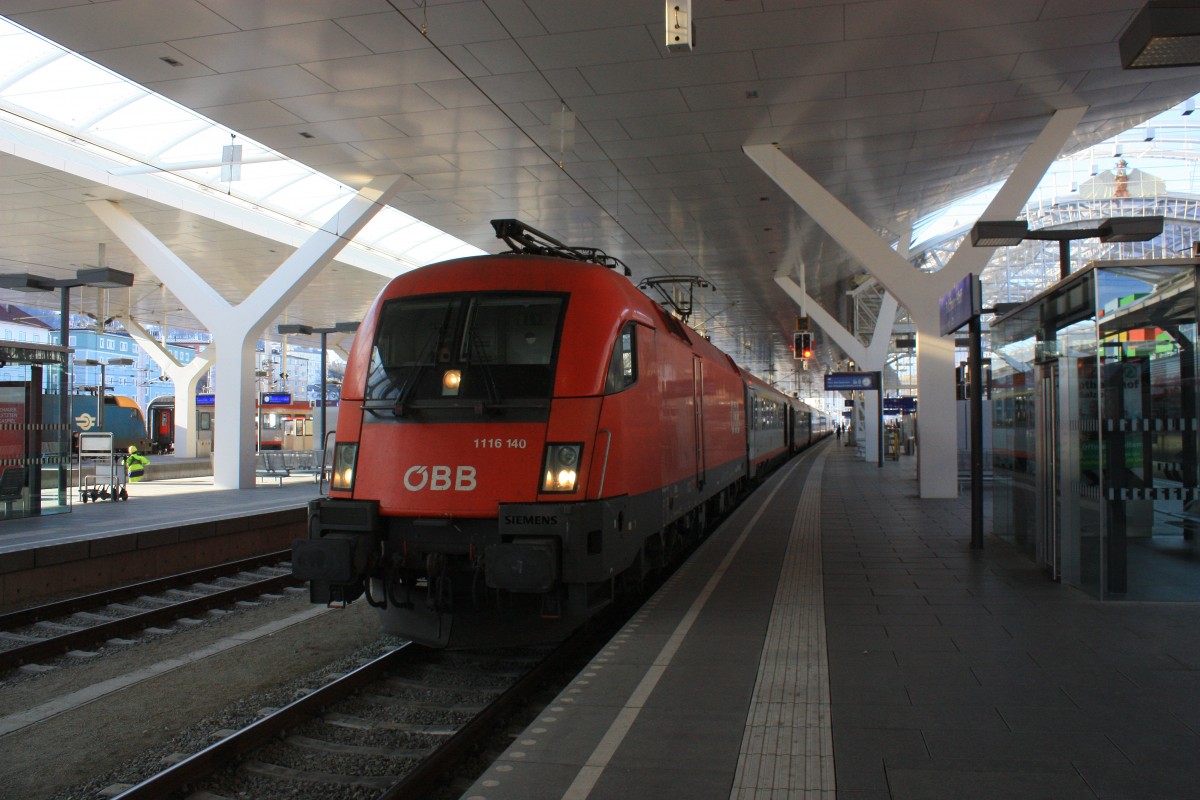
217,755
134,623
87,602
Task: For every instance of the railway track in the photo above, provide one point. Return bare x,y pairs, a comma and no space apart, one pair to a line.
393,728
75,624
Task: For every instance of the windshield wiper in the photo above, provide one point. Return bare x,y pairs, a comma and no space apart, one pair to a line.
401,407
475,349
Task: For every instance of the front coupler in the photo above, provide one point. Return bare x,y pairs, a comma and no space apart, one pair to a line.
336,558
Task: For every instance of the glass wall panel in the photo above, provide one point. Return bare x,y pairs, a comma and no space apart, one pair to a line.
35,451
1148,423
1014,465
1096,426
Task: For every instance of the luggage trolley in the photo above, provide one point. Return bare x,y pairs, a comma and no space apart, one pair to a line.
107,478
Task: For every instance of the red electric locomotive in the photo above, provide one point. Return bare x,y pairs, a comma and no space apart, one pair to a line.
519,434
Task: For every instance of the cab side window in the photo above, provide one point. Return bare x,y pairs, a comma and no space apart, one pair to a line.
622,367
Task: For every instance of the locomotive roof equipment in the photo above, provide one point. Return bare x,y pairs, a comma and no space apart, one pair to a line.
525,239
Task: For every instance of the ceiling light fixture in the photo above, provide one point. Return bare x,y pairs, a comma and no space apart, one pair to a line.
1008,233
1165,33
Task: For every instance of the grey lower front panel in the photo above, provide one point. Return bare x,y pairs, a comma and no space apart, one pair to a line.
595,540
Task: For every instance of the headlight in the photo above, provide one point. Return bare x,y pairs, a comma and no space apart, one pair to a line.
560,468
344,456
451,380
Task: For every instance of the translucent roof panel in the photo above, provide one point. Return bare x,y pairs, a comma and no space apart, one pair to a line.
43,83
20,52
309,195
147,125
208,144
68,92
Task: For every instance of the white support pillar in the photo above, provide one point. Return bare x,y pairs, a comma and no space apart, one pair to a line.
236,329
937,467
185,378
870,357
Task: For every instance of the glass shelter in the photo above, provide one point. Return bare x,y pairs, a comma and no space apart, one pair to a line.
1095,418
35,447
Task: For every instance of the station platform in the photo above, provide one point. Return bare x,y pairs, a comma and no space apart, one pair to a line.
166,525
837,637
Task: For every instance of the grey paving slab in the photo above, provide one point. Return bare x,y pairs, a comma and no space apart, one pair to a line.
1017,687
951,784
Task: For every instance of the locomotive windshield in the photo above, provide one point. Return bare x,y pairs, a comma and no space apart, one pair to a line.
488,351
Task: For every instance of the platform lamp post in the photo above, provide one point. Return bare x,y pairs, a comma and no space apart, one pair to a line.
338,327
100,278
1008,233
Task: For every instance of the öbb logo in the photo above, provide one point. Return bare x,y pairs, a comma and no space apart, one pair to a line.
440,479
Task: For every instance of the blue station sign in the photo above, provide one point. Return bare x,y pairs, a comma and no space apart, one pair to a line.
899,405
958,305
851,381
276,398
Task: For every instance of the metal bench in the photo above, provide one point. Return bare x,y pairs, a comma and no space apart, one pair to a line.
301,462
12,486
265,467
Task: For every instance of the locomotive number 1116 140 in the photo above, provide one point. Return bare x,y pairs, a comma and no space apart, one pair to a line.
499,444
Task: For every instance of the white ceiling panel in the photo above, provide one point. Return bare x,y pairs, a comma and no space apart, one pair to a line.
387,32
122,23
241,87
676,71
1031,37
765,92
359,103
251,116
456,93
516,88
930,76
334,132
655,102
386,69
426,145
882,18
457,23
499,57
146,63
611,46
248,16
448,120
273,47
559,17
823,23
846,57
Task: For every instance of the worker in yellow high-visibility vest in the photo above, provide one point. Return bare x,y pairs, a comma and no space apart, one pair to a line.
136,464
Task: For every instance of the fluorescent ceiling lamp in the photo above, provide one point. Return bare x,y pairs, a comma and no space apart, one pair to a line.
24,282
1130,229
104,278
999,233
1165,33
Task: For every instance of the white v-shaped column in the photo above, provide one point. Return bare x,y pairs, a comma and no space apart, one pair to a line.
236,329
870,356
185,378
920,292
